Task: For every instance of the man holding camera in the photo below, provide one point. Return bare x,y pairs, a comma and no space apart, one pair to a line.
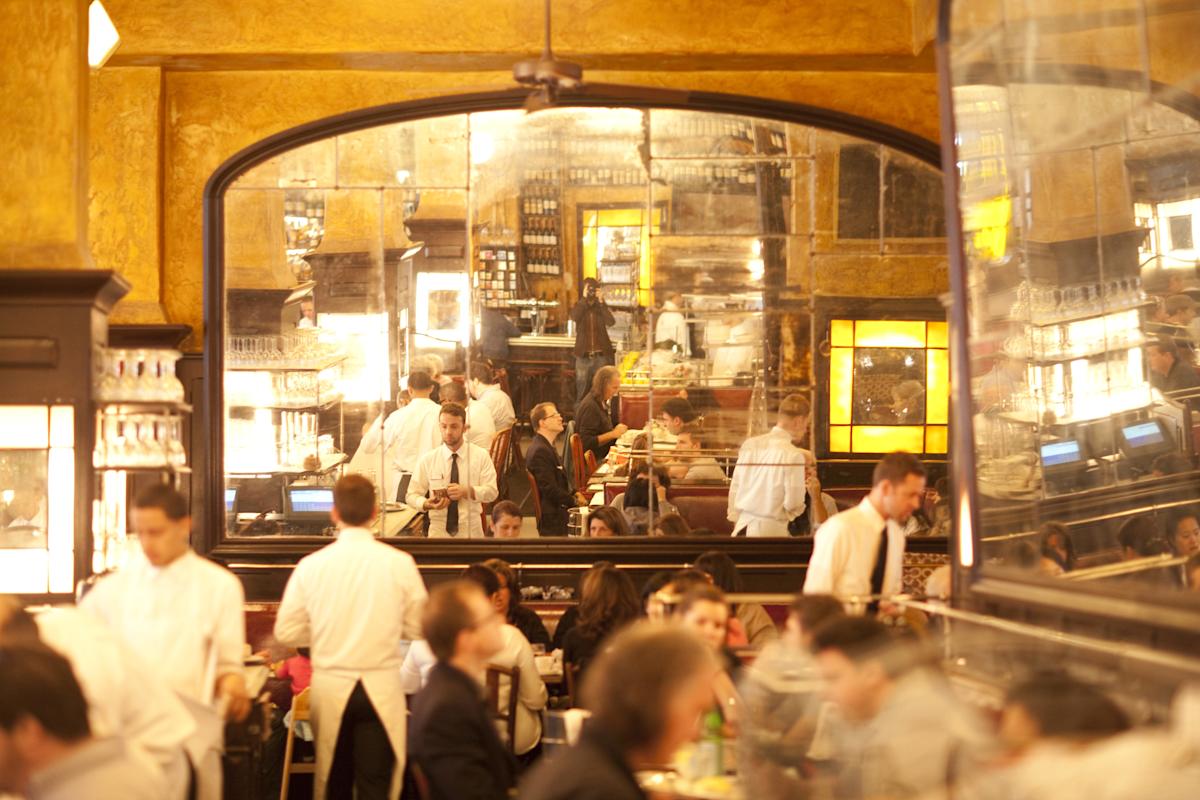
593,348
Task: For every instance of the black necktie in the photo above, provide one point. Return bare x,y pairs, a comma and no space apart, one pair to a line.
452,509
880,563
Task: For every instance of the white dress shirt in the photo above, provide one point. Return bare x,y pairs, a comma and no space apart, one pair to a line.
187,619
500,404
767,490
475,470
351,603
672,326
411,432
515,652
844,552
125,696
481,428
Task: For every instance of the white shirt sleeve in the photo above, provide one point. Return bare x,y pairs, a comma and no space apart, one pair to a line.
822,567
486,490
292,625
795,491
735,485
231,625
416,665
415,590
532,691
418,487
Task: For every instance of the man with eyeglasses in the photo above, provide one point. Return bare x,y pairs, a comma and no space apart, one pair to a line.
453,740
551,480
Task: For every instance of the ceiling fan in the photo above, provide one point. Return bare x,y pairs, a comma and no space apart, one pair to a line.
546,75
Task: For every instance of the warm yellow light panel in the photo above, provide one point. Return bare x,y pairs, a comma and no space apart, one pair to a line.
887,438
24,427
889,333
937,386
939,334
841,385
841,333
24,571
937,439
839,438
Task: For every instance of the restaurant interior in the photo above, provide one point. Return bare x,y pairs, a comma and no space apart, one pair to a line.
956,229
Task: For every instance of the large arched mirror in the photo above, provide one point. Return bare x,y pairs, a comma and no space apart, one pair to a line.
721,263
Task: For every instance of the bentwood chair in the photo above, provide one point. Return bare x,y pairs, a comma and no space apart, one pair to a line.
507,713
578,465
535,495
571,675
299,714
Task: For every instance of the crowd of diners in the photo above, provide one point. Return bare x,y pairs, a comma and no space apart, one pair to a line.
125,695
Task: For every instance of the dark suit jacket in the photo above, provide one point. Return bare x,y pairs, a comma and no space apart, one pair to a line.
551,480
591,770
452,737
592,418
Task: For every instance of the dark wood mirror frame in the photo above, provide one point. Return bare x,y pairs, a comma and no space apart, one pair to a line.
264,565
1159,620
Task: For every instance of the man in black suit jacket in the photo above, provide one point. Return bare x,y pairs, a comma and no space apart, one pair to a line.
542,460
452,737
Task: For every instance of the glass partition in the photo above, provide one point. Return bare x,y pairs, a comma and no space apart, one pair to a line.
691,251
1077,191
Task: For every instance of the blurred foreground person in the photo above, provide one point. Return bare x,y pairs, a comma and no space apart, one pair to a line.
783,703
645,693
906,735
454,742
46,748
125,697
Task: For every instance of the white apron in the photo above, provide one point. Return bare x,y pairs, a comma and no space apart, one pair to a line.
331,691
757,526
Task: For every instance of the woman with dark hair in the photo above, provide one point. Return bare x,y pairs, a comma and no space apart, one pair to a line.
1058,546
646,496
608,602
571,616
638,470
758,625
671,525
607,521
508,604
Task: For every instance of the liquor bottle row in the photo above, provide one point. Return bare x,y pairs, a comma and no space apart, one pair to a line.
696,127
542,176
544,264
540,231
605,177
716,174
539,206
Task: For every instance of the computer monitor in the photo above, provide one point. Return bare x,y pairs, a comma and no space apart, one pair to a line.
1063,454
1145,439
230,500
309,502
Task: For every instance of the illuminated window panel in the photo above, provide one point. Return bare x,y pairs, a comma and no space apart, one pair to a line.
841,333
937,387
839,438
841,385
887,438
889,333
938,334
937,439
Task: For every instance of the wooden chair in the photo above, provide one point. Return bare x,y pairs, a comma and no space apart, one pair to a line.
589,461
499,450
535,494
508,713
299,714
578,466
571,676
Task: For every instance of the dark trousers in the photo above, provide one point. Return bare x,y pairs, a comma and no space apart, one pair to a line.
585,369
363,758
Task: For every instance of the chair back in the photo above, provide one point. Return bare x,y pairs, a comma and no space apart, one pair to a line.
535,495
508,712
577,463
571,675
300,705
589,461
499,450
300,713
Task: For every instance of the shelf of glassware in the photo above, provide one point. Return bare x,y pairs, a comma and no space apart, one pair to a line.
1065,392
1080,338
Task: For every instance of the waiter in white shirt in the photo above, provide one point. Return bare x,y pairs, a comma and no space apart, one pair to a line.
453,482
672,326
407,434
768,489
861,550
351,603
125,698
486,390
184,615
481,428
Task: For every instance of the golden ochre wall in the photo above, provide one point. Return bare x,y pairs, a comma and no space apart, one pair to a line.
209,116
